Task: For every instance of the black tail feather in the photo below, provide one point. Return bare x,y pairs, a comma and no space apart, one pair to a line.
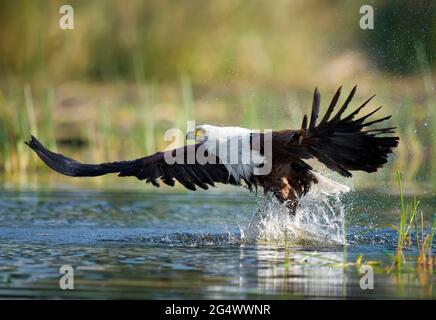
342,144
73,168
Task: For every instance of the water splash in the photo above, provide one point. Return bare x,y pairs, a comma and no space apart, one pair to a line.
318,222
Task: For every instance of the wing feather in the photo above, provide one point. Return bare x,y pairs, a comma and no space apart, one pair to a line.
151,168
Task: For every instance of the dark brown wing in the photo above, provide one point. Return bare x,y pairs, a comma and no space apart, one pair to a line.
151,168
190,174
343,144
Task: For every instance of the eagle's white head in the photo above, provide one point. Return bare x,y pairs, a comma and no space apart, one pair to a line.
207,132
231,145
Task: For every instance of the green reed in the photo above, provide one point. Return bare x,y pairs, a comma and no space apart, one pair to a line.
412,222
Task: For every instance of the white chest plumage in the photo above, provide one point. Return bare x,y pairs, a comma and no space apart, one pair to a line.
232,146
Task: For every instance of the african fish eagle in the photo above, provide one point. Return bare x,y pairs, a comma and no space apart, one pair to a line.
342,143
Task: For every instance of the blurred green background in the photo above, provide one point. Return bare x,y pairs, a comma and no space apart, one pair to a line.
130,70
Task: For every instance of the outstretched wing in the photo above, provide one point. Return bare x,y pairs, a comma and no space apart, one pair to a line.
153,168
341,143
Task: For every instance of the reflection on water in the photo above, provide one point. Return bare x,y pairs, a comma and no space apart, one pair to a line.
298,276
198,245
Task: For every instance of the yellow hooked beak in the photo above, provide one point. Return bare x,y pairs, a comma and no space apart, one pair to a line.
198,135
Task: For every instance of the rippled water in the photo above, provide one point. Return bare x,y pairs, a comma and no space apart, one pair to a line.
200,245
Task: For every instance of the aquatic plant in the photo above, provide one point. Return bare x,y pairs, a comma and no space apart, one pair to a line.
412,223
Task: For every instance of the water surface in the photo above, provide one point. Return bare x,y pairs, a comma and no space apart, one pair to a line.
160,245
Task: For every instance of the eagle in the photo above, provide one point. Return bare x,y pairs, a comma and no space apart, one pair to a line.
277,160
